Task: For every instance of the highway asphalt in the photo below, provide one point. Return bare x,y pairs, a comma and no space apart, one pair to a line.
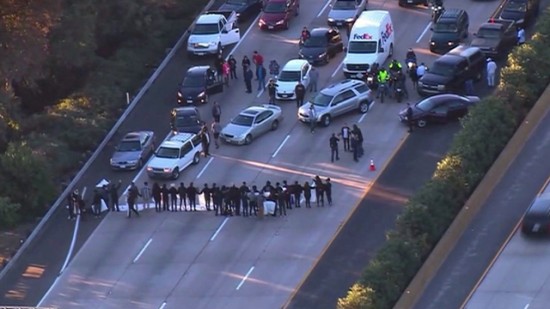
275,254
488,231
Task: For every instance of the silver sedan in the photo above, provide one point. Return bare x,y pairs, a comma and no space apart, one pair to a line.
251,123
133,150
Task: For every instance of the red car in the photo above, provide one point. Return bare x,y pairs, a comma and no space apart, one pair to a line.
277,13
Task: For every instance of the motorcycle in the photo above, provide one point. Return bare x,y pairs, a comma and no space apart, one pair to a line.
411,63
398,92
370,80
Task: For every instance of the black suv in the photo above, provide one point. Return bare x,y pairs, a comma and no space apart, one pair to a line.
523,12
186,120
450,29
198,84
323,44
452,70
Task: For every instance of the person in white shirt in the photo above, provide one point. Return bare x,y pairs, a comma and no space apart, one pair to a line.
421,70
491,72
521,36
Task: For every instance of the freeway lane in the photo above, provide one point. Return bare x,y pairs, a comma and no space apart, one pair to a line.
164,93
487,233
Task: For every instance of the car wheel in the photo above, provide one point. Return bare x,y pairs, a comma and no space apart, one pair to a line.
326,120
274,125
421,123
248,139
176,173
196,158
363,107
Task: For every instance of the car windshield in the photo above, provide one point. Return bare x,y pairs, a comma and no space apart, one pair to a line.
515,6
275,7
168,153
344,5
488,33
128,146
205,29
426,105
443,69
321,99
186,120
289,76
240,2
445,27
243,120
368,47
193,82
316,41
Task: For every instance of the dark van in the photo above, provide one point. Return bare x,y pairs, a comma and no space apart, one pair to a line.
537,218
449,30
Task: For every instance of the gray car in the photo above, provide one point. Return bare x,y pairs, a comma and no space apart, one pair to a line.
132,151
337,99
251,123
345,12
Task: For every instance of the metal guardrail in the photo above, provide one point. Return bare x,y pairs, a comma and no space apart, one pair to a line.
102,145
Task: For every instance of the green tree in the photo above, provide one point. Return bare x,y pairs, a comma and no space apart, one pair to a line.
358,297
9,213
26,180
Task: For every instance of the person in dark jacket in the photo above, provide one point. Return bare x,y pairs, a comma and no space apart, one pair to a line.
300,91
113,192
207,193
328,191
182,192
253,197
219,67
280,199
217,199
235,197
297,192
287,192
133,194
272,90
232,67
319,191
307,194
173,197
355,129
192,196
248,76
96,203
226,204
243,191
245,63
165,197
205,141
157,196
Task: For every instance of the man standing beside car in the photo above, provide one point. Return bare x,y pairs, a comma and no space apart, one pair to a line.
491,72
216,129
313,78
216,111
300,92
410,120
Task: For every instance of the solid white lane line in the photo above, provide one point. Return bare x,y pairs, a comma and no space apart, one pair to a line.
526,306
253,25
219,229
337,69
163,305
71,247
424,32
324,8
143,250
365,114
83,192
280,146
41,302
260,93
205,167
245,277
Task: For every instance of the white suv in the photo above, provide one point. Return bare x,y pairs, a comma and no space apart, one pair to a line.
174,155
337,99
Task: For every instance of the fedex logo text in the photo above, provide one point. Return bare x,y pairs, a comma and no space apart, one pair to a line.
364,36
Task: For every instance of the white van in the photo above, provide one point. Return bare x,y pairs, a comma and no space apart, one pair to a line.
371,40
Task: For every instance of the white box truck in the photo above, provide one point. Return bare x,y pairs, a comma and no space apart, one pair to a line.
371,40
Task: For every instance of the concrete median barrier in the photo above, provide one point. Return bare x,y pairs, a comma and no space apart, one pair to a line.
446,244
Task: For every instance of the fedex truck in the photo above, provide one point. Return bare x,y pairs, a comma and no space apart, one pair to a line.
371,40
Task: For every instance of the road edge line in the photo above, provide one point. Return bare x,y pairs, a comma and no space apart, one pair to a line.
341,226
492,178
101,146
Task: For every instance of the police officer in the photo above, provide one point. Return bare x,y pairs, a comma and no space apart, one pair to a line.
383,77
192,196
244,190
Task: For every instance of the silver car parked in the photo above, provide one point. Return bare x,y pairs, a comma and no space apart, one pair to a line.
132,151
251,123
337,99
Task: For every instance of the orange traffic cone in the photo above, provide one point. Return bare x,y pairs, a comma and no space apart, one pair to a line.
372,168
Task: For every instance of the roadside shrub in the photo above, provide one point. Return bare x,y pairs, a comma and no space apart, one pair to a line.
9,213
486,131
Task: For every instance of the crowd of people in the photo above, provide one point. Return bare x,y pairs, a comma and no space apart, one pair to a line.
231,200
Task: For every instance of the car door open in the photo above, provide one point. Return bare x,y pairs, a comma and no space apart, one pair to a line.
230,34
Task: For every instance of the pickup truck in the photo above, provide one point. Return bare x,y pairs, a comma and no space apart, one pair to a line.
496,37
212,32
245,9
523,12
